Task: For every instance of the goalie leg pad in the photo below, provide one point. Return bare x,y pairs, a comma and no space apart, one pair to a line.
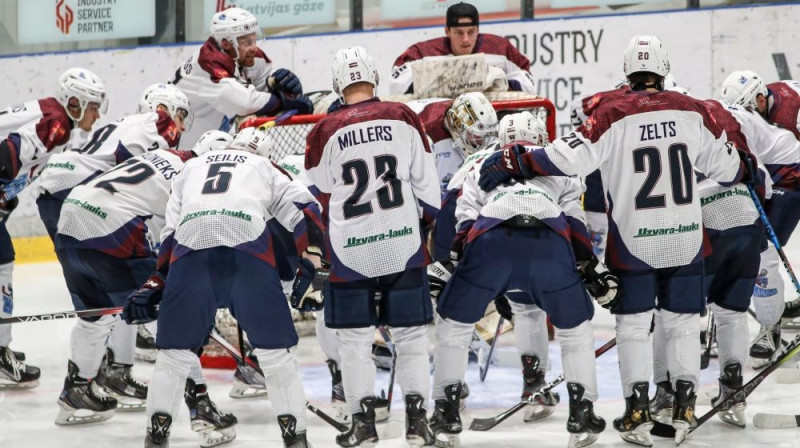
450,356
165,391
683,346
769,288
633,346
732,335
283,382
358,370
578,359
530,330
88,344
413,365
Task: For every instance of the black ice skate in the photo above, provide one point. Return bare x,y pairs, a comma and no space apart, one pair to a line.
78,402
213,427
291,438
418,433
362,430
730,381
766,345
248,382
158,432
583,425
683,413
790,312
533,381
14,373
635,425
146,349
340,405
446,421
115,379
661,404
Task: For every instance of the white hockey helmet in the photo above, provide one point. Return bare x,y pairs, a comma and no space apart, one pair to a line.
212,140
169,96
252,140
233,23
743,87
525,127
472,121
84,86
646,54
352,65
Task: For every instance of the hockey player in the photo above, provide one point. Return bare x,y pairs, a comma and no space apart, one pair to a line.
656,244
372,167
230,76
462,37
216,224
29,134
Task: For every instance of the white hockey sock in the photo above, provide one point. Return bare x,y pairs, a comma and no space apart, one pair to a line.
327,339
530,331
732,335
450,354
88,344
165,392
683,346
659,350
7,303
196,371
152,327
768,292
284,384
358,370
413,366
123,342
635,349
577,357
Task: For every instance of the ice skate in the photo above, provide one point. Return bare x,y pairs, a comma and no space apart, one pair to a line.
583,425
464,394
146,349
362,430
533,381
115,379
635,425
418,432
446,421
765,345
683,413
14,373
661,404
340,405
214,427
730,381
248,382
291,438
158,432
78,402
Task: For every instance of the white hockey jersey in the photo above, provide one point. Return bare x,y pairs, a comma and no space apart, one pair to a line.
113,212
647,146
111,144
372,168
219,89
784,105
294,164
225,198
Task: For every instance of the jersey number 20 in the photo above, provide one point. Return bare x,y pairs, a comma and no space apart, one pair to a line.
357,172
680,175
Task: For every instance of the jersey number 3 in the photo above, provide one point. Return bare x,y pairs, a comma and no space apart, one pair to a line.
680,175
357,172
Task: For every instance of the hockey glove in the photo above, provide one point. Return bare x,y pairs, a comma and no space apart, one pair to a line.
503,308
300,103
502,166
286,81
142,306
439,274
7,205
603,286
307,288
751,174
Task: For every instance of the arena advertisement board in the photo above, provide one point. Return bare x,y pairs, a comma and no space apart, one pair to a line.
412,9
47,21
272,14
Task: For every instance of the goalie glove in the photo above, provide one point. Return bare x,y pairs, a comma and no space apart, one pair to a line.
603,286
439,274
307,288
142,305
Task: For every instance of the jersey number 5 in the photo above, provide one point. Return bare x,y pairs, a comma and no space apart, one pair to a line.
680,175
357,172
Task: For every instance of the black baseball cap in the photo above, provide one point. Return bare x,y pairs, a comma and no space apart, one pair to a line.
461,10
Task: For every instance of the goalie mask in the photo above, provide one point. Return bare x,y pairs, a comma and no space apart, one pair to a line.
252,140
84,86
231,24
211,141
472,121
523,126
350,66
646,54
743,87
169,96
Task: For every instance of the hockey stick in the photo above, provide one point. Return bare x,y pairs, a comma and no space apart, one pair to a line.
387,338
61,315
776,421
278,120
250,363
485,424
484,369
708,341
774,238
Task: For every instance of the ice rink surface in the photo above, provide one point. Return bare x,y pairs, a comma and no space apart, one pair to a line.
26,417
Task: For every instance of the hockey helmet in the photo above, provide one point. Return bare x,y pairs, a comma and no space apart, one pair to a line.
84,86
646,54
169,96
212,140
233,23
252,140
525,127
472,121
352,65
743,87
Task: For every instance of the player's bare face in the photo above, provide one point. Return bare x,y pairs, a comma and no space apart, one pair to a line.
91,114
180,120
247,50
462,39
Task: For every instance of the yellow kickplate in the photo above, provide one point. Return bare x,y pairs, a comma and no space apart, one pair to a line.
34,249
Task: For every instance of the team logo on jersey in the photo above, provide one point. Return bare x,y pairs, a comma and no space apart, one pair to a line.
389,234
56,132
760,289
64,16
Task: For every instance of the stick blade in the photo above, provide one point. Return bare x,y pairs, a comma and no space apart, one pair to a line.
776,421
483,424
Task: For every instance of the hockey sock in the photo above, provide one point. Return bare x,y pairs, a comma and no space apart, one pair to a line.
450,355
530,331
659,350
123,342
413,365
327,339
88,344
165,392
635,349
358,370
152,327
7,304
683,346
731,335
196,371
577,357
284,384
768,292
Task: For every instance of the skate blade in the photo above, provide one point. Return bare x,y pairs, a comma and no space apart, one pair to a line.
662,416
640,435
240,390
734,416
416,441
535,412
146,355
216,437
125,403
581,439
682,429
447,440
68,416
18,386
